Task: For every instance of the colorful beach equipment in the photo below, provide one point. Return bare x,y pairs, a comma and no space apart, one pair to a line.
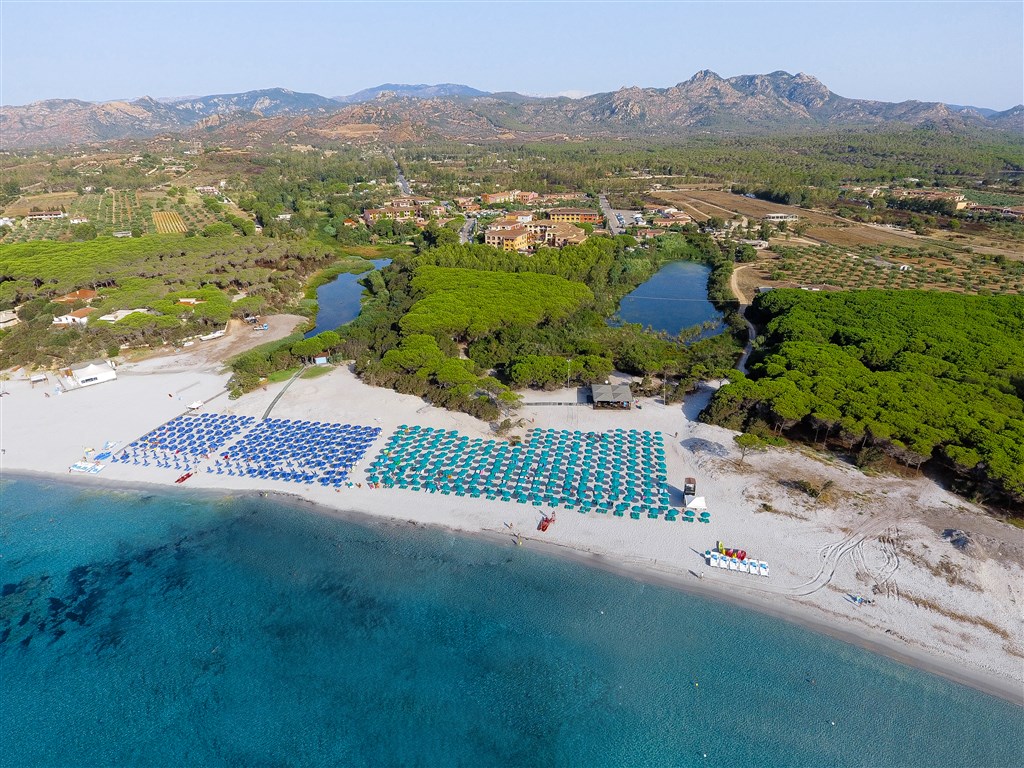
616,473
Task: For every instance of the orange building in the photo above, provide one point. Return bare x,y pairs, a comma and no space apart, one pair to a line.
576,215
517,239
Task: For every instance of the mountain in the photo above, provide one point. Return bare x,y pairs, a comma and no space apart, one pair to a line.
983,111
268,102
705,103
441,90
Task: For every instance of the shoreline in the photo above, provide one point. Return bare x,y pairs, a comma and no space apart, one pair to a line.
954,612
792,613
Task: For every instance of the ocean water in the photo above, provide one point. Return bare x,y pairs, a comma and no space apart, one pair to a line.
153,630
674,298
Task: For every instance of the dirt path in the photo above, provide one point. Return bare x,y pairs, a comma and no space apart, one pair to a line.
744,300
734,284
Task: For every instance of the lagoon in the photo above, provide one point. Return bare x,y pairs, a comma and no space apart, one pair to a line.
340,300
673,299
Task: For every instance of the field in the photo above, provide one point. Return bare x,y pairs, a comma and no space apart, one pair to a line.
928,268
827,229
168,222
148,212
47,202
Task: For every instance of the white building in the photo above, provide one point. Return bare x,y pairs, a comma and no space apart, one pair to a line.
93,372
78,317
8,318
120,314
777,217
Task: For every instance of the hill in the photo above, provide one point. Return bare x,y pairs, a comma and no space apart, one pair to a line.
774,102
441,90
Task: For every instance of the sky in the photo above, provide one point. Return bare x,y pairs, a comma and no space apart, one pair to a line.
968,53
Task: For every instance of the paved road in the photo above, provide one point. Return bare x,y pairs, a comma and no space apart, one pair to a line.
403,185
609,216
466,233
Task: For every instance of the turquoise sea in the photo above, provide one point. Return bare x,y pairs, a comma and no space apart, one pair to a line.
152,630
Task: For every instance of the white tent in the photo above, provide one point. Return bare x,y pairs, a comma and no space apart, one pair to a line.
94,372
697,504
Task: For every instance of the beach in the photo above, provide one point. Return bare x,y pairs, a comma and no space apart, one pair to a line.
954,612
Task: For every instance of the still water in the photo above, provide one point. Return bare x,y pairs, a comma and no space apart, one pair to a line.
340,300
673,299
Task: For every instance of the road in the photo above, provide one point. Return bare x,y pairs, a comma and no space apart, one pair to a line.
466,233
403,185
609,216
612,216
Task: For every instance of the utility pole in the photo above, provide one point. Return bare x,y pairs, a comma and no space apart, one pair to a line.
568,368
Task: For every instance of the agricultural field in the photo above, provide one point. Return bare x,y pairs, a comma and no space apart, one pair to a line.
47,202
993,198
864,267
168,222
148,212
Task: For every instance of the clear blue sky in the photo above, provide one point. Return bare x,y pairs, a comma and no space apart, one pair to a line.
956,52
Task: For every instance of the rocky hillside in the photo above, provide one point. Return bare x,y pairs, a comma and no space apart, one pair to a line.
706,102
442,90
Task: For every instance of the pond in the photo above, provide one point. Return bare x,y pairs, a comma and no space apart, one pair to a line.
340,300
673,299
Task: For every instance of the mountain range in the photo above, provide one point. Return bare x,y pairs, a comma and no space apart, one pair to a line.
705,103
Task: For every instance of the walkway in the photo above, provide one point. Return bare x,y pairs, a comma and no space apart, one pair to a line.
266,413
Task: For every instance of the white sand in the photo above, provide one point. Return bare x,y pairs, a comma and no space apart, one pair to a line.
957,614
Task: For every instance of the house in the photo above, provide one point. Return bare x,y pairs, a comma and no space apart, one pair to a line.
517,239
504,225
283,217
93,372
576,215
525,198
44,216
555,234
120,314
79,220
78,317
463,201
617,396
350,223
497,198
6,221
370,215
123,233
776,218
190,301
523,217
207,191
83,294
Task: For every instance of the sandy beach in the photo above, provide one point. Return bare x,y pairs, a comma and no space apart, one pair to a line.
955,612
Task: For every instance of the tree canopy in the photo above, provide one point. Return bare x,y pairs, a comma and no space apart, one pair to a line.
924,376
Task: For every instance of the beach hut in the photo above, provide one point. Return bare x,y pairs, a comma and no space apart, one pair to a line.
616,396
